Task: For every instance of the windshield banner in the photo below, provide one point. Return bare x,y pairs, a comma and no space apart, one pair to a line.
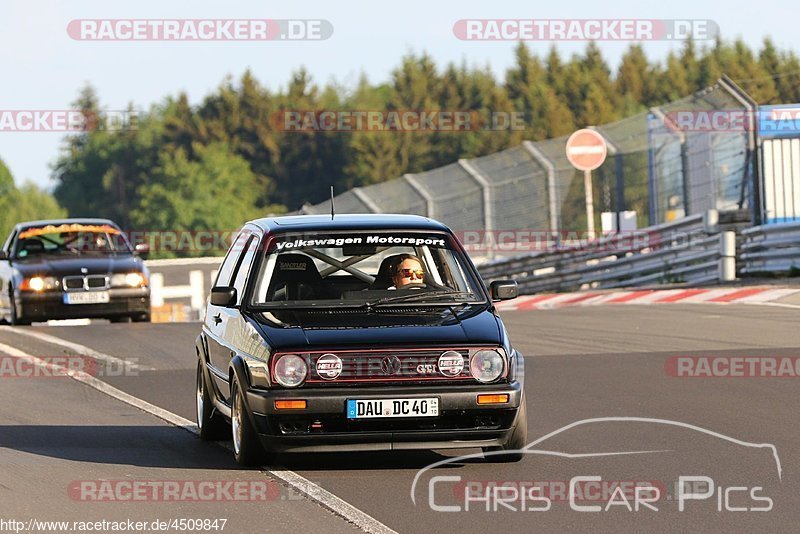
377,239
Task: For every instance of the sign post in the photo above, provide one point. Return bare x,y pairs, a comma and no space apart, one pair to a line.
586,151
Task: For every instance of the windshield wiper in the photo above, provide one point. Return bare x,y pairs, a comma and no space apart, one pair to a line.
422,295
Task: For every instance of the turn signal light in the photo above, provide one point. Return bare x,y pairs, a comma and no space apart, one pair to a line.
493,399
290,404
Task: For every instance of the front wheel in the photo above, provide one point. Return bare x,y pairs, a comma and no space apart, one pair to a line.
211,426
518,440
14,318
247,449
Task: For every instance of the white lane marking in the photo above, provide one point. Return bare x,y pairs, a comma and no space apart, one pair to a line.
69,322
301,484
76,347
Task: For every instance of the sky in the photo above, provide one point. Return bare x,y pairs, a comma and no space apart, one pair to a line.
42,68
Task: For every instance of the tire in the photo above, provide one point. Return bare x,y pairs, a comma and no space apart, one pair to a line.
517,441
247,449
14,319
124,319
211,426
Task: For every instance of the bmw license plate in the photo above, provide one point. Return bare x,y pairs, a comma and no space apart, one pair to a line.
372,408
88,297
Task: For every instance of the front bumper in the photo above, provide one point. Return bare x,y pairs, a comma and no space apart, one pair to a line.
462,422
50,305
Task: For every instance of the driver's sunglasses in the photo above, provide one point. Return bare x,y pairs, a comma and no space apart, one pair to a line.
406,273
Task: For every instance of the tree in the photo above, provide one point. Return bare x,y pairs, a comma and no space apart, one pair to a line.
27,203
636,81
783,70
211,192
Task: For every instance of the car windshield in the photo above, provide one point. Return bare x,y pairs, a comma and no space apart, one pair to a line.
70,240
365,269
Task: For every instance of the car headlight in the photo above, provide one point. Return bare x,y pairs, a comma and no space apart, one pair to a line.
128,280
487,365
290,370
38,283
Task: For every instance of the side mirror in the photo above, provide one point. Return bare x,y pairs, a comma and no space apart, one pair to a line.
3,255
223,296
504,290
142,250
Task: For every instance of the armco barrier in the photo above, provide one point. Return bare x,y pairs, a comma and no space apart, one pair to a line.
691,250
772,248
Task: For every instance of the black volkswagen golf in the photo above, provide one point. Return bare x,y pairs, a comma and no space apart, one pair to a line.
69,269
361,332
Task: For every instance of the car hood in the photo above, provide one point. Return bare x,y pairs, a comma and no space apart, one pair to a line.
472,325
57,266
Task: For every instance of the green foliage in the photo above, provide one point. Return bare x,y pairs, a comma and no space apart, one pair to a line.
215,164
27,203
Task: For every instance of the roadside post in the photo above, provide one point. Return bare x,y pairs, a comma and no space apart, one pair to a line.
586,151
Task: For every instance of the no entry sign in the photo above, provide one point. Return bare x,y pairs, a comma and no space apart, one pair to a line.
586,150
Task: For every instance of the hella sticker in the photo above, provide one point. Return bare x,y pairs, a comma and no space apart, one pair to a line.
451,363
329,366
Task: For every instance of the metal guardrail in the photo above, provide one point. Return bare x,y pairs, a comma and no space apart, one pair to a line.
772,248
691,250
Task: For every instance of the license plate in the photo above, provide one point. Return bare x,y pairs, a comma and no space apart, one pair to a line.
89,297
372,408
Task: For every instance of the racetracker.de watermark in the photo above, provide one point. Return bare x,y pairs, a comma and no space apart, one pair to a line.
200,29
778,120
585,29
66,120
396,121
527,240
732,366
64,366
139,491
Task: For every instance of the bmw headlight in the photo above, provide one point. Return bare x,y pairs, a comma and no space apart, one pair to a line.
290,370
487,365
38,283
128,280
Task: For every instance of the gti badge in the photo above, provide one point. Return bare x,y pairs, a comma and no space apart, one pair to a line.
426,369
329,366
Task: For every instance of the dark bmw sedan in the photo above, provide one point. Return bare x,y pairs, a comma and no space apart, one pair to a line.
361,332
72,268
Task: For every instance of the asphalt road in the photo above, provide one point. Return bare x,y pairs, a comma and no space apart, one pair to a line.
603,363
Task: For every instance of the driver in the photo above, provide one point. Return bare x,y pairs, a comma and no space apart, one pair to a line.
408,272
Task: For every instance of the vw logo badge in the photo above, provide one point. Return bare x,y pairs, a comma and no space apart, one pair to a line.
390,365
